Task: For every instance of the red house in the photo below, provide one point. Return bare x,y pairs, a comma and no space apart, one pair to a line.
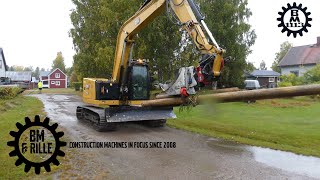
53,79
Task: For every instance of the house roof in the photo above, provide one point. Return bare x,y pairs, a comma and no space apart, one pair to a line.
19,75
55,70
264,73
44,73
4,59
300,55
48,73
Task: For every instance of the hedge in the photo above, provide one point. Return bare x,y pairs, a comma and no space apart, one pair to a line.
77,86
9,92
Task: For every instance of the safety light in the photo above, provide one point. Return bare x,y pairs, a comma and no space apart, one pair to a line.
140,61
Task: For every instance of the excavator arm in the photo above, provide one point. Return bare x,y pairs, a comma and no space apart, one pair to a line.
190,19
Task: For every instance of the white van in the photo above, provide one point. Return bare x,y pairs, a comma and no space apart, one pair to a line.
251,84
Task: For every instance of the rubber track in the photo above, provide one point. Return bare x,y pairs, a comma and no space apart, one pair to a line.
96,116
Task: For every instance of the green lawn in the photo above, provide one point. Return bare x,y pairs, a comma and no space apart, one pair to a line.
15,110
12,111
285,124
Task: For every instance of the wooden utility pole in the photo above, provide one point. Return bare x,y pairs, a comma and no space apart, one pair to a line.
233,89
237,96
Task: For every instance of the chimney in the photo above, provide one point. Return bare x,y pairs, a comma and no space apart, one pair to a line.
318,41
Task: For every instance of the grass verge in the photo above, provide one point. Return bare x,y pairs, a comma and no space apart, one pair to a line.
12,111
284,124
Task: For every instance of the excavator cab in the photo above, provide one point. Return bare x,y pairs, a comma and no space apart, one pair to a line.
138,80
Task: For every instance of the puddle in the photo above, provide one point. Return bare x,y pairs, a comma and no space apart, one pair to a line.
226,146
287,161
304,165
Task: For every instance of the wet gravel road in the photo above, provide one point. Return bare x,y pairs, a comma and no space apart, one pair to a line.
195,156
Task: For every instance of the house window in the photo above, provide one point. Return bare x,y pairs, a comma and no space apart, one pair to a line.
58,83
57,75
295,73
52,82
271,79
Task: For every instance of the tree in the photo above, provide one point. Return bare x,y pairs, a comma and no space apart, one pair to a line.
36,72
69,70
263,65
96,24
229,24
16,68
95,28
250,67
73,77
284,48
29,68
11,68
43,69
58,62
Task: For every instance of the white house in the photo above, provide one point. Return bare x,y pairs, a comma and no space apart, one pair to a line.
3,65
300,59
53,79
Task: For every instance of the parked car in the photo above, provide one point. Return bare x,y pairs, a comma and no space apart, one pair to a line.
252,84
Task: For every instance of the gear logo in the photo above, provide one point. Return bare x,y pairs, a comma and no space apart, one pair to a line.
294,20
34,138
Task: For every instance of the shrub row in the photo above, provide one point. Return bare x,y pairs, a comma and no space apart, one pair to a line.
77,86
9,92
312,76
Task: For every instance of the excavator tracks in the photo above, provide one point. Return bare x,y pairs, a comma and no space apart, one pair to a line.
96,116
107,119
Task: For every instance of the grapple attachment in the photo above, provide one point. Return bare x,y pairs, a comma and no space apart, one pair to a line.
184,80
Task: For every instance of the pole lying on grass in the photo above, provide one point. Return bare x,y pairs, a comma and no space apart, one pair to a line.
238,96
233,89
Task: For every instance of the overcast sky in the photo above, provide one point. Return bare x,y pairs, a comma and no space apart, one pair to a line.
32,32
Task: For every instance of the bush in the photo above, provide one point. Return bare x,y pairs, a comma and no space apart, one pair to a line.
77,86
293,79
9,92
312,75
284,84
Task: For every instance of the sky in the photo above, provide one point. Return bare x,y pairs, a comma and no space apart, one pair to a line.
32,32
269,36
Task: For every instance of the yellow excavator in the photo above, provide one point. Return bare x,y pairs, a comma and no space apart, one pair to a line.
119,99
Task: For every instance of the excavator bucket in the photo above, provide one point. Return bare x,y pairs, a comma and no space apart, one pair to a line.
107,118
